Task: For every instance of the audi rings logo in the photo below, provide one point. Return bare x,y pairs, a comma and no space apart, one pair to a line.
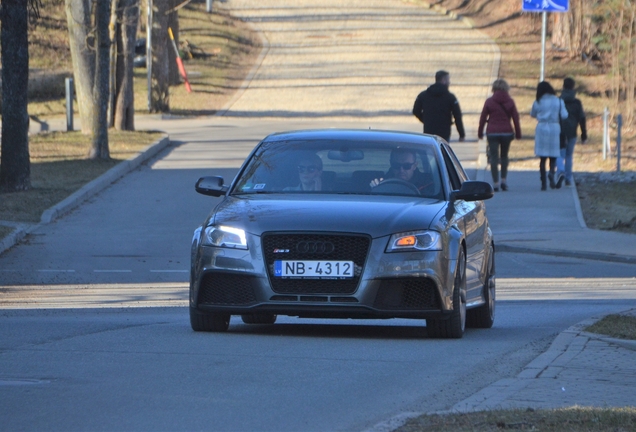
317,247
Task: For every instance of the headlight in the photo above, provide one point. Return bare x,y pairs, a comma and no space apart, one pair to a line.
224,236
415,240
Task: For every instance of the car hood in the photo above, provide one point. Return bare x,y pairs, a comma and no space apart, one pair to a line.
376,216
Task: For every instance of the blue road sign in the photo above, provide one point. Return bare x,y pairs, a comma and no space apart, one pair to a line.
545,5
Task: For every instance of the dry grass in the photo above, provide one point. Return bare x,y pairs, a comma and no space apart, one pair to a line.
574,419
616,326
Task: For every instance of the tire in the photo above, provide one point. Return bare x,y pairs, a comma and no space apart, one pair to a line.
260,318
453,327
209,322
484,316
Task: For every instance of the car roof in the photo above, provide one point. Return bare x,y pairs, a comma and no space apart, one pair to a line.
354,135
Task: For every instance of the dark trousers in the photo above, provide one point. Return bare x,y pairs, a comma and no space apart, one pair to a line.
542,167
498,147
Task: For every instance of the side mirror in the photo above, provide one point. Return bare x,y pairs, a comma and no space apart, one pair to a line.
473,191
211,186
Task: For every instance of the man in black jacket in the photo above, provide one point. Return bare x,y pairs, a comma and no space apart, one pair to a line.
569,126
436,107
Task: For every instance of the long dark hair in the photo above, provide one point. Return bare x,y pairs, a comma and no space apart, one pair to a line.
543,88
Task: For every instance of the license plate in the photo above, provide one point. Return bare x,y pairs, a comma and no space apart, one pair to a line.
314,269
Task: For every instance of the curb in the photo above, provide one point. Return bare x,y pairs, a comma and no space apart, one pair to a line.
87,191
625,259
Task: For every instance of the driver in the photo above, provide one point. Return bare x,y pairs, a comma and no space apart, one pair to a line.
404,167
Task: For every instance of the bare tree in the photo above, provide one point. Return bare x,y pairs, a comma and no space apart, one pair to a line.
90,45
159,88
15,164
127,20
101,88
82,44
174,77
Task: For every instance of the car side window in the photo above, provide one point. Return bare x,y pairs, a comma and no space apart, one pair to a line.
455,179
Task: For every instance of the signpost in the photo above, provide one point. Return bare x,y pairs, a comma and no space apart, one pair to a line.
545,6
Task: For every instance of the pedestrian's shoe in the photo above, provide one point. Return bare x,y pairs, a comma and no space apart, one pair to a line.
504,187
551,180
559,182
568,183
543,181
496,189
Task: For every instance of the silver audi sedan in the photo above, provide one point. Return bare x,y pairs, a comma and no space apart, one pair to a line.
346,224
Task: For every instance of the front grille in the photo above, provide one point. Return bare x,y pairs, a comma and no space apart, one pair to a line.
407,294
295,246
226,289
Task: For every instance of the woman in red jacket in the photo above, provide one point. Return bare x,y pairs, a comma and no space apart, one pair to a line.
498,110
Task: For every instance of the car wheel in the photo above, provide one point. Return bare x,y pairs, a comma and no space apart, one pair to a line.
484,316
209,322
453,327
261,318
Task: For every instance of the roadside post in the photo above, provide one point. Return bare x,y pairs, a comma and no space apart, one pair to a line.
544,6
68,84
619,124
149,52
208,6
605,132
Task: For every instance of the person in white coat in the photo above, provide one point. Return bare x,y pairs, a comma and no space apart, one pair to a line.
546,109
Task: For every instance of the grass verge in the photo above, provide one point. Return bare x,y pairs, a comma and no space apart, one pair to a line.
616,325
575,419
59,167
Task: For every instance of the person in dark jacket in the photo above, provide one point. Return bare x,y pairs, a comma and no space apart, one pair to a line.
498,110
569,126
436,107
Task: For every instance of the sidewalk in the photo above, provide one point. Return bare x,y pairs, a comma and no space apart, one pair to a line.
579,369
528,220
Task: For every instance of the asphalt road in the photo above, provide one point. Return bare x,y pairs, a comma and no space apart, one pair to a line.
144,369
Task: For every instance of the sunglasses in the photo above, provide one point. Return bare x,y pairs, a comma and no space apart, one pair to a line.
405,166
309,169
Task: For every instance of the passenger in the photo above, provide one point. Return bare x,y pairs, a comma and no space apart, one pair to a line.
310,173
404,167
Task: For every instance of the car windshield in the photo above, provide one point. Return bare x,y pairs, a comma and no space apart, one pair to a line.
328,167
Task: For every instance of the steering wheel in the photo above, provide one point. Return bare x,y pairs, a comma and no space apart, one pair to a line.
396,185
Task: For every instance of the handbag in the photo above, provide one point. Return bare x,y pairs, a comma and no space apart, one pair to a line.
563,140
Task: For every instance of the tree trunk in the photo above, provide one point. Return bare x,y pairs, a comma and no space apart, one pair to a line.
572,31
127,22
82,43
173,22
15,164
101,88
561,31
159,94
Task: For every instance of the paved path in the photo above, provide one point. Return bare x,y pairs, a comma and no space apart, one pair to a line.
362,60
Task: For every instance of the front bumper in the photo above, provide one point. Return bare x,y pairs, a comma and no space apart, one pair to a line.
390,285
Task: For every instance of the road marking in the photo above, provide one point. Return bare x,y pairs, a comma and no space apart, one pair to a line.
55,271
112,271
168,271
